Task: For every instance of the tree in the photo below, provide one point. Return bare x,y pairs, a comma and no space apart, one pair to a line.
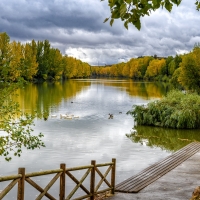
4,55
15,61
155,68
190,70
130,11
43,54
55,64
30,65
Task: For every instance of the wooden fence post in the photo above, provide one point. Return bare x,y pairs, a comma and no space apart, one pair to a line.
62,182
92,180
21,184
113,176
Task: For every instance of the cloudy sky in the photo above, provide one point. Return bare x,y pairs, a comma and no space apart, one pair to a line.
76,28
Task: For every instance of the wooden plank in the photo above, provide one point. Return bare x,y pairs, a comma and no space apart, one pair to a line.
135,183
160,168
166,160
145,174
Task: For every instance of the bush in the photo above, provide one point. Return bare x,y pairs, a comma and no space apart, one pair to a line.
177,110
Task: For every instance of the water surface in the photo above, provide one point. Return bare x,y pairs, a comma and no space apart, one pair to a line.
92,136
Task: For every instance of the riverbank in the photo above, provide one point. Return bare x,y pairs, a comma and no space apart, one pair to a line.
177,184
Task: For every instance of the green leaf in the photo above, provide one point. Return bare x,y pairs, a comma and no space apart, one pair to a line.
105,20
115,14
122,9
168,5
111,21
126,24
137,24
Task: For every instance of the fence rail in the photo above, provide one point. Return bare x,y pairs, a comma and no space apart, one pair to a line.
61,174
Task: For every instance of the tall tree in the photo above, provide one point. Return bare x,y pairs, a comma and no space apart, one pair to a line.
43,53
16,61
55,64
190,70
30,65
4,54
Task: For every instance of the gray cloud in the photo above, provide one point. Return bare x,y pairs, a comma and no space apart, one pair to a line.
77,29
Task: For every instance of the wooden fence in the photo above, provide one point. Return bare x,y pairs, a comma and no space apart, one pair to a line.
61,174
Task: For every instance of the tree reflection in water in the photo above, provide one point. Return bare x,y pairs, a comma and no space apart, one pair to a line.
167,139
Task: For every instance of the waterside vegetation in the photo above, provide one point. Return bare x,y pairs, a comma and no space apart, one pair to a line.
38,61
177,110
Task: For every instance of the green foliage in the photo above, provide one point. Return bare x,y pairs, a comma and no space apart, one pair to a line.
190,70
131,11
177,110
15,126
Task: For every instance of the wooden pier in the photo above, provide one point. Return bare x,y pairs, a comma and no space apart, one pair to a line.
154,172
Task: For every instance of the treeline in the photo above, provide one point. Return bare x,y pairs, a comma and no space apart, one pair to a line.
37,61
143,68
181,70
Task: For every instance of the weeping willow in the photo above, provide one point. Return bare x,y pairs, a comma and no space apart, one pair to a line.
176,110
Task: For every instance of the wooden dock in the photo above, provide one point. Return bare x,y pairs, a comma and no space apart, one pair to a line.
154,172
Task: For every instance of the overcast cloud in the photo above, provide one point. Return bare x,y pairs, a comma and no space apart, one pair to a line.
76,28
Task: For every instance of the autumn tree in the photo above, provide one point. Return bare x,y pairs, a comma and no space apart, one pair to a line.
190,70
134,69
30,65
73,68
4,55
116,70
15,63
155,68
55,66
143,64
126,69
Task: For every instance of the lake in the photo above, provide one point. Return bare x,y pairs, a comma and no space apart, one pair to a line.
92,135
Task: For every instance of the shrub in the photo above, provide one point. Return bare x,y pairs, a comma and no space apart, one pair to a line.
177,110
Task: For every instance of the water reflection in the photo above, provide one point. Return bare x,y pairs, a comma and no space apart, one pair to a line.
44,97
48,96
167,139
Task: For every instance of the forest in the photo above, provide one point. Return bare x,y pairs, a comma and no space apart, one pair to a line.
38,61
182,71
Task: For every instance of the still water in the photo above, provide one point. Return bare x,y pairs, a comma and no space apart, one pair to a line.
91,135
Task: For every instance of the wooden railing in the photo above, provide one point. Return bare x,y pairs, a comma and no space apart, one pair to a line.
61,174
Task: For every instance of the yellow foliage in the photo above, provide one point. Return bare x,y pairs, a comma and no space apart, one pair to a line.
16,63
155,68
190,70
